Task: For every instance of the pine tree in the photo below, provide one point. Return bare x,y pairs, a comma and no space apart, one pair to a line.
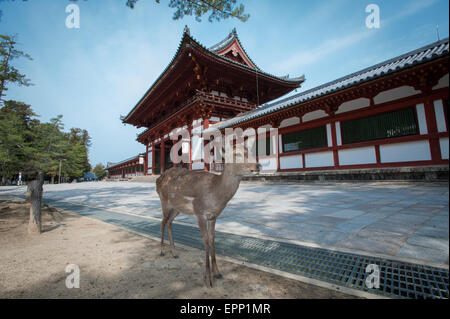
8,73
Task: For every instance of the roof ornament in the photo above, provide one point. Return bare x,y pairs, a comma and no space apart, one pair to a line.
186,30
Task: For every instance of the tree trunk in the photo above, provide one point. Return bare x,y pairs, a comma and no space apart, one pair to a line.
35,186
28,196
52,181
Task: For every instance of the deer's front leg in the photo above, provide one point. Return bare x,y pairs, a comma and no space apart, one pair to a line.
163,224
203,229
211,232
173,213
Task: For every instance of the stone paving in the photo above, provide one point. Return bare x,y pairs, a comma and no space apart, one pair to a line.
409,220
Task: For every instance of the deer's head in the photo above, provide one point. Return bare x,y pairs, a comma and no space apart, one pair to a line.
242,164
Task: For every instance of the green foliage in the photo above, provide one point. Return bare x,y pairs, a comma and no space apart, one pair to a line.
217,9
26,144
16,121
29,146
100,171
8,73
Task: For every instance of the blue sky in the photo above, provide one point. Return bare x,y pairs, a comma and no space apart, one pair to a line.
94,74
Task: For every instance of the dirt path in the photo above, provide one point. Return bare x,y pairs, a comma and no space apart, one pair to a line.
117,264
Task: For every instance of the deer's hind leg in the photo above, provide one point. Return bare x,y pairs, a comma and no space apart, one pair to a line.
172,214
211,232
164,219
202,223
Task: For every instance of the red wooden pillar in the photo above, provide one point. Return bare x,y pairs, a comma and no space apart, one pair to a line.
432,131
153,158
146,159
163,156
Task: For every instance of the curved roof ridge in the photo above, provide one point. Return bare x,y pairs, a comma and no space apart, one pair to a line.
228,39
188,37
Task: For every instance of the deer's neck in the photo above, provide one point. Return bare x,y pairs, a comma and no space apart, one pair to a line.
228,182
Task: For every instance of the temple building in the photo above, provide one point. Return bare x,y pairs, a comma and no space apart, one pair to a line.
131,167
392,114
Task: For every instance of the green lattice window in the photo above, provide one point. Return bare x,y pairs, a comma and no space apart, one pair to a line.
304,140
380,126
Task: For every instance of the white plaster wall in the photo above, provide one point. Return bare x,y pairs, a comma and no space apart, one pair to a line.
353,105
440,116
443,142
443,82
197,147
268,164
355,156
395,94
314,115
423,129
198,165
405,152
319,159
150,158
274,145
329,137
290,121
280,146
288,162
185,147
338,134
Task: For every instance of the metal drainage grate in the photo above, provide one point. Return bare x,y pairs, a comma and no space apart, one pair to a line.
397,279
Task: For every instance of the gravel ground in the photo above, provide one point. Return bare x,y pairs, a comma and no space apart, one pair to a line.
117,264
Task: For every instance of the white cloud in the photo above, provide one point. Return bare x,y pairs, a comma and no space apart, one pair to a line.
408,10
300,59
316,54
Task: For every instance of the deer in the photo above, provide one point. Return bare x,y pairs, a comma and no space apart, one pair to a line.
204,195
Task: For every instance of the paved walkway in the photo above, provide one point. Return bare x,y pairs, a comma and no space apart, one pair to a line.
408,220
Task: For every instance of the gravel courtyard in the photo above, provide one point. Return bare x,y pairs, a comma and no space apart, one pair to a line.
405,220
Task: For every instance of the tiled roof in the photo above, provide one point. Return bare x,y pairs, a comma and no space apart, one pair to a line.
222,44
229,39
109,164
188,38
424,54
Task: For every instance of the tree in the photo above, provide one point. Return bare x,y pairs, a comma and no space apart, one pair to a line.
100,171
16,120
8,73
217,9
82,140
